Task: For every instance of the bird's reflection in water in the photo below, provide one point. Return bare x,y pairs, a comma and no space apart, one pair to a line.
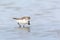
25,29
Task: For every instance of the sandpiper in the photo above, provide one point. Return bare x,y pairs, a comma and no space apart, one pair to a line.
23,20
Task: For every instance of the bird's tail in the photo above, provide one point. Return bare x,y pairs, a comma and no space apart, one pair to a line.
14,18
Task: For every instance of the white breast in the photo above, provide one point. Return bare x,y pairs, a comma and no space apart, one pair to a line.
22,21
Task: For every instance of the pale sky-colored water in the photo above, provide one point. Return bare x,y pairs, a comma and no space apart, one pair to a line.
45,22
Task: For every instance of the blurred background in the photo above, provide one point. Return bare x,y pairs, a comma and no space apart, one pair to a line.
45,19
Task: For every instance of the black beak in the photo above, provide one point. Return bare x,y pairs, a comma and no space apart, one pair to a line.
28,22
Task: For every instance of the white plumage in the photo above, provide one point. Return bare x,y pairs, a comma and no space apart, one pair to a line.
24,20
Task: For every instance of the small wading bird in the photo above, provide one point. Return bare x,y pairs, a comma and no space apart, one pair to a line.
23,20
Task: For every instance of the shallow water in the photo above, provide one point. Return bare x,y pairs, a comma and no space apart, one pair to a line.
45,22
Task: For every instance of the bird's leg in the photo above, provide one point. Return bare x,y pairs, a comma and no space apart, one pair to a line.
19,25
28,22
23,26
